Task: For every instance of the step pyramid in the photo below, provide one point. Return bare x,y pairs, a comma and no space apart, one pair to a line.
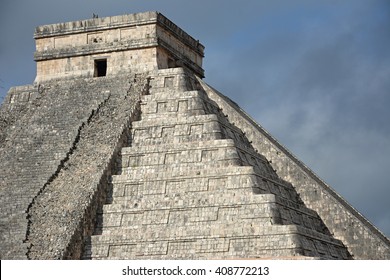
85,174
192,186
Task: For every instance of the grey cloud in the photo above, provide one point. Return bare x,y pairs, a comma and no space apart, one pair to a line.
325,95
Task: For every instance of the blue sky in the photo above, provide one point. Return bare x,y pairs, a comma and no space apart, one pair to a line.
315,74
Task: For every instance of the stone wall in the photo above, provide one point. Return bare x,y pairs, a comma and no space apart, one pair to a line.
126,61
129,43
94,37
362,239
81,184
192,187
40,128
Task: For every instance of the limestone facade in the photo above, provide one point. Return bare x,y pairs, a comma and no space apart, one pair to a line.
191,186
130,43
119,150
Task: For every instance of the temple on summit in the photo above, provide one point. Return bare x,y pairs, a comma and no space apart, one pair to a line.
119,150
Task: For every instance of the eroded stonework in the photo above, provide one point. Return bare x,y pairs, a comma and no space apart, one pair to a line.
128,44
193,187
119,150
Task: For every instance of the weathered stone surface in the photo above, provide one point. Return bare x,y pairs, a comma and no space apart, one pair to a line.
211,196
43,142
364,240
120,151
129,43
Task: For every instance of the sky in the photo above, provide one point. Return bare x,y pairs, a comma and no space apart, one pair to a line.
315,74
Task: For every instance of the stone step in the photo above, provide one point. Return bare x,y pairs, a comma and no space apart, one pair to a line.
205,179
169,147
172,79
175,170
135,200
167,232
180,129
230,130
203,248
227,171
178,171
256,240
172,107
246,154
187,215
167,137
175,131
128,186
184,185
201,119
167,115
190,199
173,96
192,186
221,156
281,237
166,154
281,214
227,155
194,99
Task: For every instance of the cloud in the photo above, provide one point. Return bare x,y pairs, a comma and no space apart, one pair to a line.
321,87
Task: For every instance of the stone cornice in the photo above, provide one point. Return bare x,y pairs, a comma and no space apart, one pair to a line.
95,24
114,22
98,48
102,48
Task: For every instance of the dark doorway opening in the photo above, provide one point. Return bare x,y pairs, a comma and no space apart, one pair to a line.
100,68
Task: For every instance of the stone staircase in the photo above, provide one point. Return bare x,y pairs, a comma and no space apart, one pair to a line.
192,187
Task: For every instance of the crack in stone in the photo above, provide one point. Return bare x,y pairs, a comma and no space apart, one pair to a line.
60,167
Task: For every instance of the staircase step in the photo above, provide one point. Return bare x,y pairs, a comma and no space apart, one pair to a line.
188,179
177,121
168,147
213,150
253,242
290,211
223,150
170,171
183,185
166,232
203,248
172,95
192,186
186,215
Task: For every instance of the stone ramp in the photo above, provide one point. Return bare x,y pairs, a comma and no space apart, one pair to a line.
192,187
52,144
40,125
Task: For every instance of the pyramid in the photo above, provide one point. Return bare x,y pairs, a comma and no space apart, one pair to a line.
119,150
192,186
